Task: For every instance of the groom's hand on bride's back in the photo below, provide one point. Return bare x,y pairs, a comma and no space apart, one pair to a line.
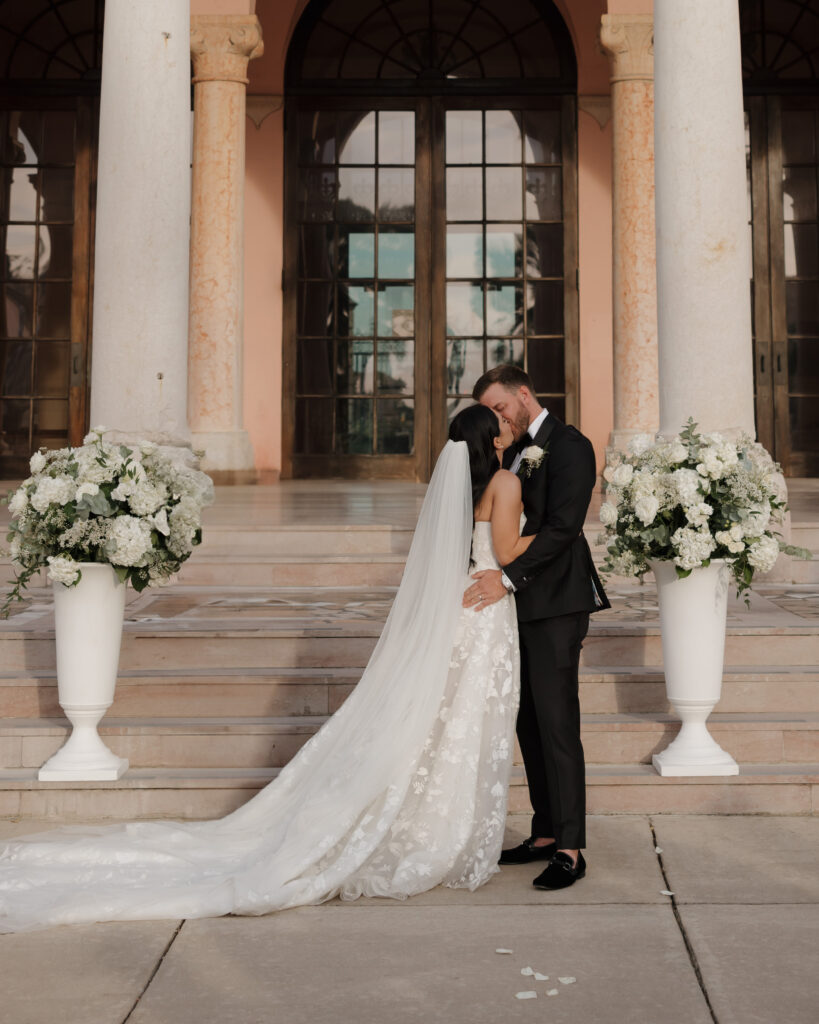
487,590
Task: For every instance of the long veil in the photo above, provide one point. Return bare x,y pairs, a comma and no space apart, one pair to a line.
318,823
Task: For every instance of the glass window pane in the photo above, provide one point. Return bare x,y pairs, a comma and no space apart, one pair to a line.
317,138
544,200
23,194
21,139
356,194
541,144
799,193
51,368
58,137
14,426
355,310
354,426
395,426
504,350
455,405
464,137
547,364
464,309
356,252
502,137
801,250
464,364
803,366
503,193
464,250
21,251
396,194
354,367
504,309
798,137
54,310
315,312
396,252
56,250
802,303
804,424
359,146
396,137
503,250
396,366
314,426
545,302
396,311
15,367
544,250
317,197
57,197
315,250
555,404
314,366
464,193
18,311
50,417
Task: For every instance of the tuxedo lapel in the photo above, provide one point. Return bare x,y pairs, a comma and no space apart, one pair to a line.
545,432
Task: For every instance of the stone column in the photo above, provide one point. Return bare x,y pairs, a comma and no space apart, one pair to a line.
140,314
221,46
628,39
704,309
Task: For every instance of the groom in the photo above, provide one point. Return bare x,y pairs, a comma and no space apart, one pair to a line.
556,588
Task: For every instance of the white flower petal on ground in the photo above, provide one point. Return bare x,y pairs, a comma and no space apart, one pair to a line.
526,995
527,972
567,981
541,977
553,991
504,951
658,849
666,892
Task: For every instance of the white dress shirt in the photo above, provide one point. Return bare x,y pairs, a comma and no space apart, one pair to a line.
534,427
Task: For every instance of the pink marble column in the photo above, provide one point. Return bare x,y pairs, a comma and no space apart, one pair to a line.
221,46
628,39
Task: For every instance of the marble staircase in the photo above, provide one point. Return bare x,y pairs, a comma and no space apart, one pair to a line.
225,673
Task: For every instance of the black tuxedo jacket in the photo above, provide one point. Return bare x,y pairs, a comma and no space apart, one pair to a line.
556,575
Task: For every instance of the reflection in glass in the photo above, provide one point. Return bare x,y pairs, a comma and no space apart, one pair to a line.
545,302
798,137
395,426
799,193
396,252
801,250
54,310
50,417
544,200
315,307
464,363
51,368
359,146
503,193
541,144
396,194
464,309
356,252
315,250
455,405
314,426
58,137
544,250
15,367
56,250
464,193
354,367
317,195
503,250
18,311
355,310
803,366
546,364
396,311
804,424
464,137
504,309
356,194
57,197
354,426
23,194
21,251
464,250
21,139
504,350
14,426
317,138
802,304
396,137
396,366
502,137
314,366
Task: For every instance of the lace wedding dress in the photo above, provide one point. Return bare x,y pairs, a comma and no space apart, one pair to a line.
405,788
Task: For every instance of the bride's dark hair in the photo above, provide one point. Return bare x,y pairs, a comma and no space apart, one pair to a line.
478,426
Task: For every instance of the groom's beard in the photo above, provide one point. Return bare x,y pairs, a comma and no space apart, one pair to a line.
520,424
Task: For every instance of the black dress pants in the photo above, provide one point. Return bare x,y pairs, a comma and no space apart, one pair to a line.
548,726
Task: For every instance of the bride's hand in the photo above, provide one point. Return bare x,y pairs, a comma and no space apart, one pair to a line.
486,591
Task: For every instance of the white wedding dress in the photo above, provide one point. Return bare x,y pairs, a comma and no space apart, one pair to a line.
405,788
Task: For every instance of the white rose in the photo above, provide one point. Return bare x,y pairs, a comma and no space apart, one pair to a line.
608,474
646,508
726,538
18,502
57,490
160,522
87,488
37,463
148,447
62,570
640,443
677,452
608,514
763,554
622,475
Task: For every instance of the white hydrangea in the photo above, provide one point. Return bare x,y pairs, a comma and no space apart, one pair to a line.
63,570
686,483
622,475
756,522
763,553
87,487
646,508
698,515
37,463
608,514
146,498
90,470
640,443
732,539
129,541
692,546
18,502
94,435
53,490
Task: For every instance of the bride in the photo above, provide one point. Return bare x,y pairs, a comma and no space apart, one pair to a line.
403,789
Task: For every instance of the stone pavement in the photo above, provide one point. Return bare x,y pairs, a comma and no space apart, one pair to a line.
735,944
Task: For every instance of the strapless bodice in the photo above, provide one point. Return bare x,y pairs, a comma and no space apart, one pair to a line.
483,554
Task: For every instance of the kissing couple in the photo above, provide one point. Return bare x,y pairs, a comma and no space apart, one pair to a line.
405,787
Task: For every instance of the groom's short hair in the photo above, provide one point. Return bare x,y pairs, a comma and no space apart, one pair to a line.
509,376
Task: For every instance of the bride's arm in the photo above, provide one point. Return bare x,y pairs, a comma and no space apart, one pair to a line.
505,517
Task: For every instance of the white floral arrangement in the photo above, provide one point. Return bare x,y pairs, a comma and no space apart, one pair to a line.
690,499
138,509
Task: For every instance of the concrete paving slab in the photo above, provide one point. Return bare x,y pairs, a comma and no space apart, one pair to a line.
330,965
724,859
85,974
758,963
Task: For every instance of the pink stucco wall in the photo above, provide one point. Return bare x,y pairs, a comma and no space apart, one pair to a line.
264,222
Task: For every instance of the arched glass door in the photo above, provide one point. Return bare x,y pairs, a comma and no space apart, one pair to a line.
431,219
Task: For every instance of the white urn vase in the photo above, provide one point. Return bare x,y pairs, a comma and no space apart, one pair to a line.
88,626
692,619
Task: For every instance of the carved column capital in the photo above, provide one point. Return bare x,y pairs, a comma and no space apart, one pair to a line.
222,45
629,40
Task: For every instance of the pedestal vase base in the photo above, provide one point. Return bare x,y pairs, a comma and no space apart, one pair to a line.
84,757
694,752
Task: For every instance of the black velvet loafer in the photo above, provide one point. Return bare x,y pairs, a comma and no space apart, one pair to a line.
527,852
561,872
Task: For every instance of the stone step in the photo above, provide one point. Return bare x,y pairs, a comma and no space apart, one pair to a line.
272,742
195,793
306,541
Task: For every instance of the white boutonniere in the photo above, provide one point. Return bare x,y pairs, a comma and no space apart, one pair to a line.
531,459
